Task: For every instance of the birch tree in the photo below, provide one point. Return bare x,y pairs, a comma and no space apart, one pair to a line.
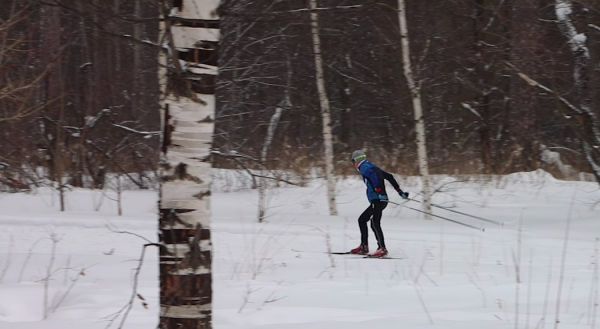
190,32
415,91
325,109
262,185
586,118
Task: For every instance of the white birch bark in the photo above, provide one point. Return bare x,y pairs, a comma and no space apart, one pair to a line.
415,90
286,103
185,262
262,185
325,109
581,82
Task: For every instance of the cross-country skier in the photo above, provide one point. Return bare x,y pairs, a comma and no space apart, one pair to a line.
373,177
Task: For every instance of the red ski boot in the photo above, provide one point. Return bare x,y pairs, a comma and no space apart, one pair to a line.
381,252
363,249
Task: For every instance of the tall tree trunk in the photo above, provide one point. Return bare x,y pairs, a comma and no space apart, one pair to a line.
84,88
415,91
523,124
325,109
50,44
262,182
482,68
48,52
191,32
136,87
285,104
587,119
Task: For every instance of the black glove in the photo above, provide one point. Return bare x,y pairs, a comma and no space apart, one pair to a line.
403,195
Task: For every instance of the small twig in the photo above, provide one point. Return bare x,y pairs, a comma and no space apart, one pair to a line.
7,265
146,134
517,286
483,295
66,272
540,324
416,280
441,249
68,291
55,239
130,233
29,254
596,276
529,284
423,304
246,297
517,262
549,279
269,300
562,263
134,294
568,306
274,178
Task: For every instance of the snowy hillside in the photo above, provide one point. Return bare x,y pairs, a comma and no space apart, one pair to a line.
279,275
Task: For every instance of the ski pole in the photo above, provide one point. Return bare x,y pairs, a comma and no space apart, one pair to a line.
462,213
448,219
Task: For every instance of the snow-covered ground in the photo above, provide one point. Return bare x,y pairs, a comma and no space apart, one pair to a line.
278,274
101,261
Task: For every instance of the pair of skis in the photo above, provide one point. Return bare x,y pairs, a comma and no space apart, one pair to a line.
364,256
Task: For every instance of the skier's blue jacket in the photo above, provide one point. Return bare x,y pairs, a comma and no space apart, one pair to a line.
374,177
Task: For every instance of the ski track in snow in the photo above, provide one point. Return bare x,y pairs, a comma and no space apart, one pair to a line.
278,274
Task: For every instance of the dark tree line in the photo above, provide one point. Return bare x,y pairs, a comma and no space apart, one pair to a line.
94,108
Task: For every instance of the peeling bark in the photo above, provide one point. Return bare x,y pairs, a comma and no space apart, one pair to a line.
188,80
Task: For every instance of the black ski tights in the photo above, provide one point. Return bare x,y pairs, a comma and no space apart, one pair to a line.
373,212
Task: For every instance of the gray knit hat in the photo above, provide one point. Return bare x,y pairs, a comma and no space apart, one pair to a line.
358,156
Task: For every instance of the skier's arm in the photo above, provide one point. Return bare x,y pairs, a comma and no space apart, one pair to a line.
390,178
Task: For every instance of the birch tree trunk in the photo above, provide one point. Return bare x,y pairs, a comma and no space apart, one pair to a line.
287,104
262,185
415,90
325,109
190,32
586,117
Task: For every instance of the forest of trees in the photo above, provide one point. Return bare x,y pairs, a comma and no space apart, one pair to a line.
80,91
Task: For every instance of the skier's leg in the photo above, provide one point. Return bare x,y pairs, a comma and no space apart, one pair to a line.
362,224
378,207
